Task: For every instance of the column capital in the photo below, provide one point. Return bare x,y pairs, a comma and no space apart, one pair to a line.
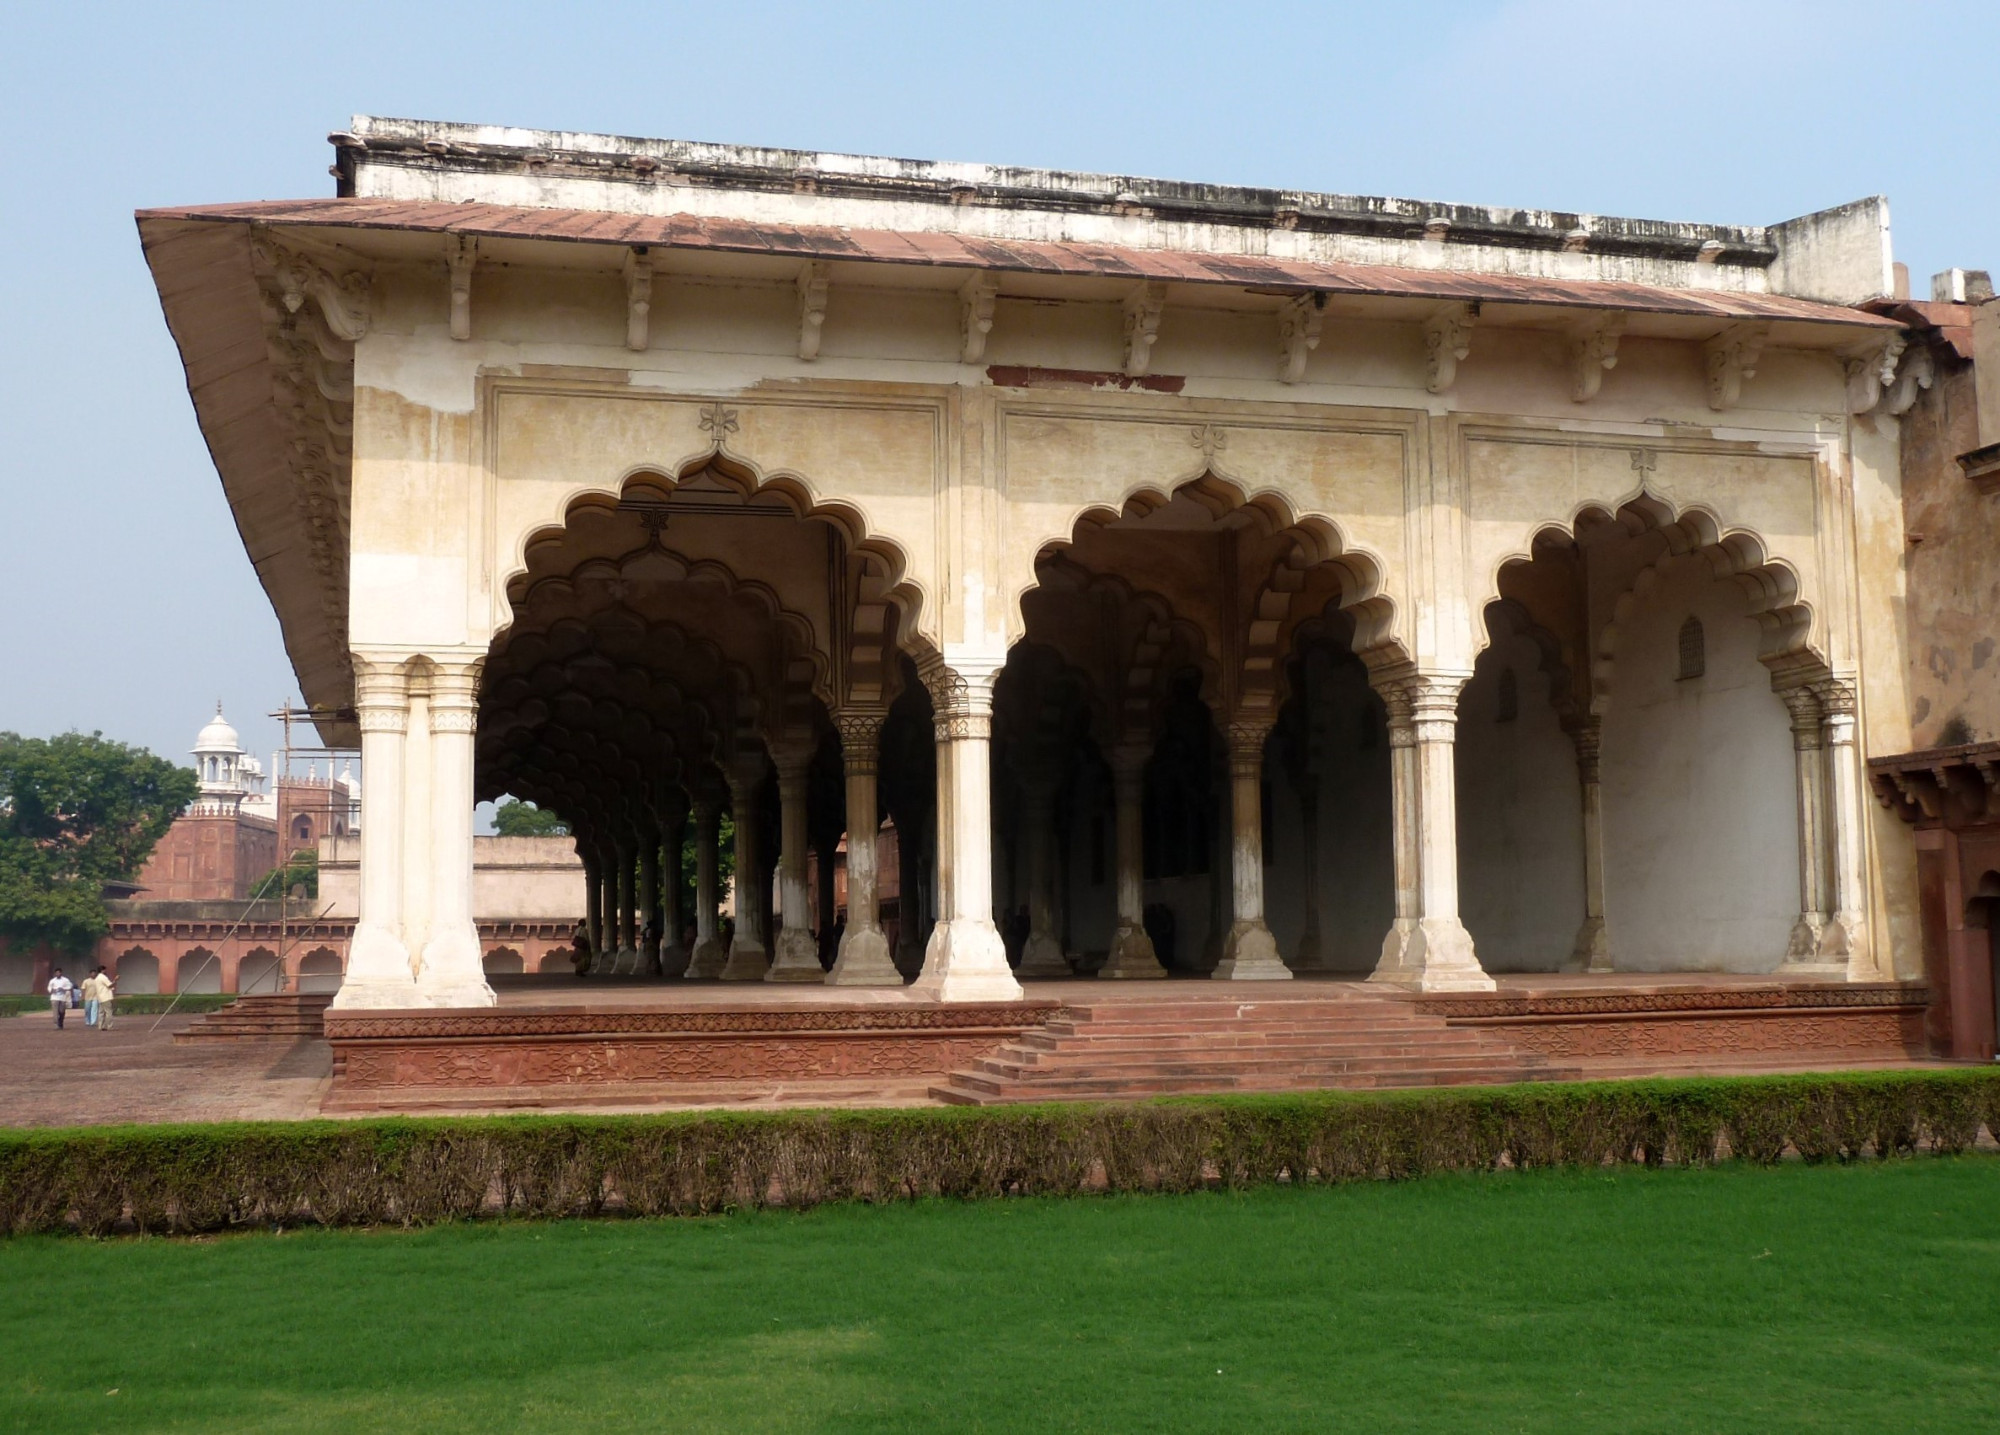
1246,737
860,732
1808,712
1837,704
961,701
1588,735
1420,701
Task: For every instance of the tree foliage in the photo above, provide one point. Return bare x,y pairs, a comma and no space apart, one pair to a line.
301,871
76,812
515,818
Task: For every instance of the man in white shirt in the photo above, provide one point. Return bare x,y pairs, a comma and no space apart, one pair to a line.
60,987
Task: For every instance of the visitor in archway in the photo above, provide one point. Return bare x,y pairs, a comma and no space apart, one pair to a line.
579,949
59,991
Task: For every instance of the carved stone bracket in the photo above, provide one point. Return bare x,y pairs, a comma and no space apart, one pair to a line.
1730,358
1298,334
1870,370
1593,349
638,298
342,298
1143,308
975,310
1917,372
1447,340
461,252
812,308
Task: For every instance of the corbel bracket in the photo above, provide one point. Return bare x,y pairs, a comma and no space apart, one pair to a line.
1918,371
1298,334
1447,340
461,252
638,298
342,298
1871,369
1143,307
1730,358
812,308
1593,348
975,313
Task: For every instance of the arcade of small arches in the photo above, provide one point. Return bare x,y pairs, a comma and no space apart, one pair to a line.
1204,754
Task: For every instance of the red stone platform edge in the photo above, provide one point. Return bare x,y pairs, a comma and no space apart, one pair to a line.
380,1057
1774,1022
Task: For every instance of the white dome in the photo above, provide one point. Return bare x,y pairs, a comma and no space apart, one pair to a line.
218,736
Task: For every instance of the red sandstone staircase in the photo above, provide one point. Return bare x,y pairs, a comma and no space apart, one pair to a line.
1095,1051
281,1016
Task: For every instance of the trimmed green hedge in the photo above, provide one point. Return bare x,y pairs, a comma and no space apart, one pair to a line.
417,1171
193,1003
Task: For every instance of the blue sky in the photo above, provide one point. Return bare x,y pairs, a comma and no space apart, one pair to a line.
129,605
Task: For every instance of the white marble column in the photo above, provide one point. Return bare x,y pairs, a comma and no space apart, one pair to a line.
1311,953
1802,948
649,900
1427,946
1845,941
863,960
1249,952
593,897
1132,955
748,957
1042,956
451,972
673,829
1592,951
378,964
708,956
795,955
966,960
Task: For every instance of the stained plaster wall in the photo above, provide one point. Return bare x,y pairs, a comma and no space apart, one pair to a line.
1700,798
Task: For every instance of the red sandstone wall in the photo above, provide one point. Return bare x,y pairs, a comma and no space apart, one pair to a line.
209,859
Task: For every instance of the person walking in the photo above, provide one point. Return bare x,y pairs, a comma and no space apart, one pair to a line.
107,988
59,990
90,997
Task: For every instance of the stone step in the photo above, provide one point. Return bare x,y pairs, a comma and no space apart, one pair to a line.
1088,1067
279,1016
1286,1040
966,1089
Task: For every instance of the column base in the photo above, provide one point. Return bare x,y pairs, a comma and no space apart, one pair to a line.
1592,952
747,962
626,963
673,961
451,973
1042,957
966,962
1430,954
864,960
709,958
1132,957
1250,954
378,972
797,958
1802,947
1840,952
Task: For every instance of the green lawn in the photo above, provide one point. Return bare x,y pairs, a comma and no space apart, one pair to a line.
1801,1298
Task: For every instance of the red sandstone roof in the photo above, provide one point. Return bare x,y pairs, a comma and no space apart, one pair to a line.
694,232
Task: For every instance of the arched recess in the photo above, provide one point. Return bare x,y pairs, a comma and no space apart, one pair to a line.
1688,788
320,970
687,640
198,970
259,971
503,961
137,971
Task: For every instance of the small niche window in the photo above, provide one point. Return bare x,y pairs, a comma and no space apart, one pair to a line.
1694,650
1507,703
